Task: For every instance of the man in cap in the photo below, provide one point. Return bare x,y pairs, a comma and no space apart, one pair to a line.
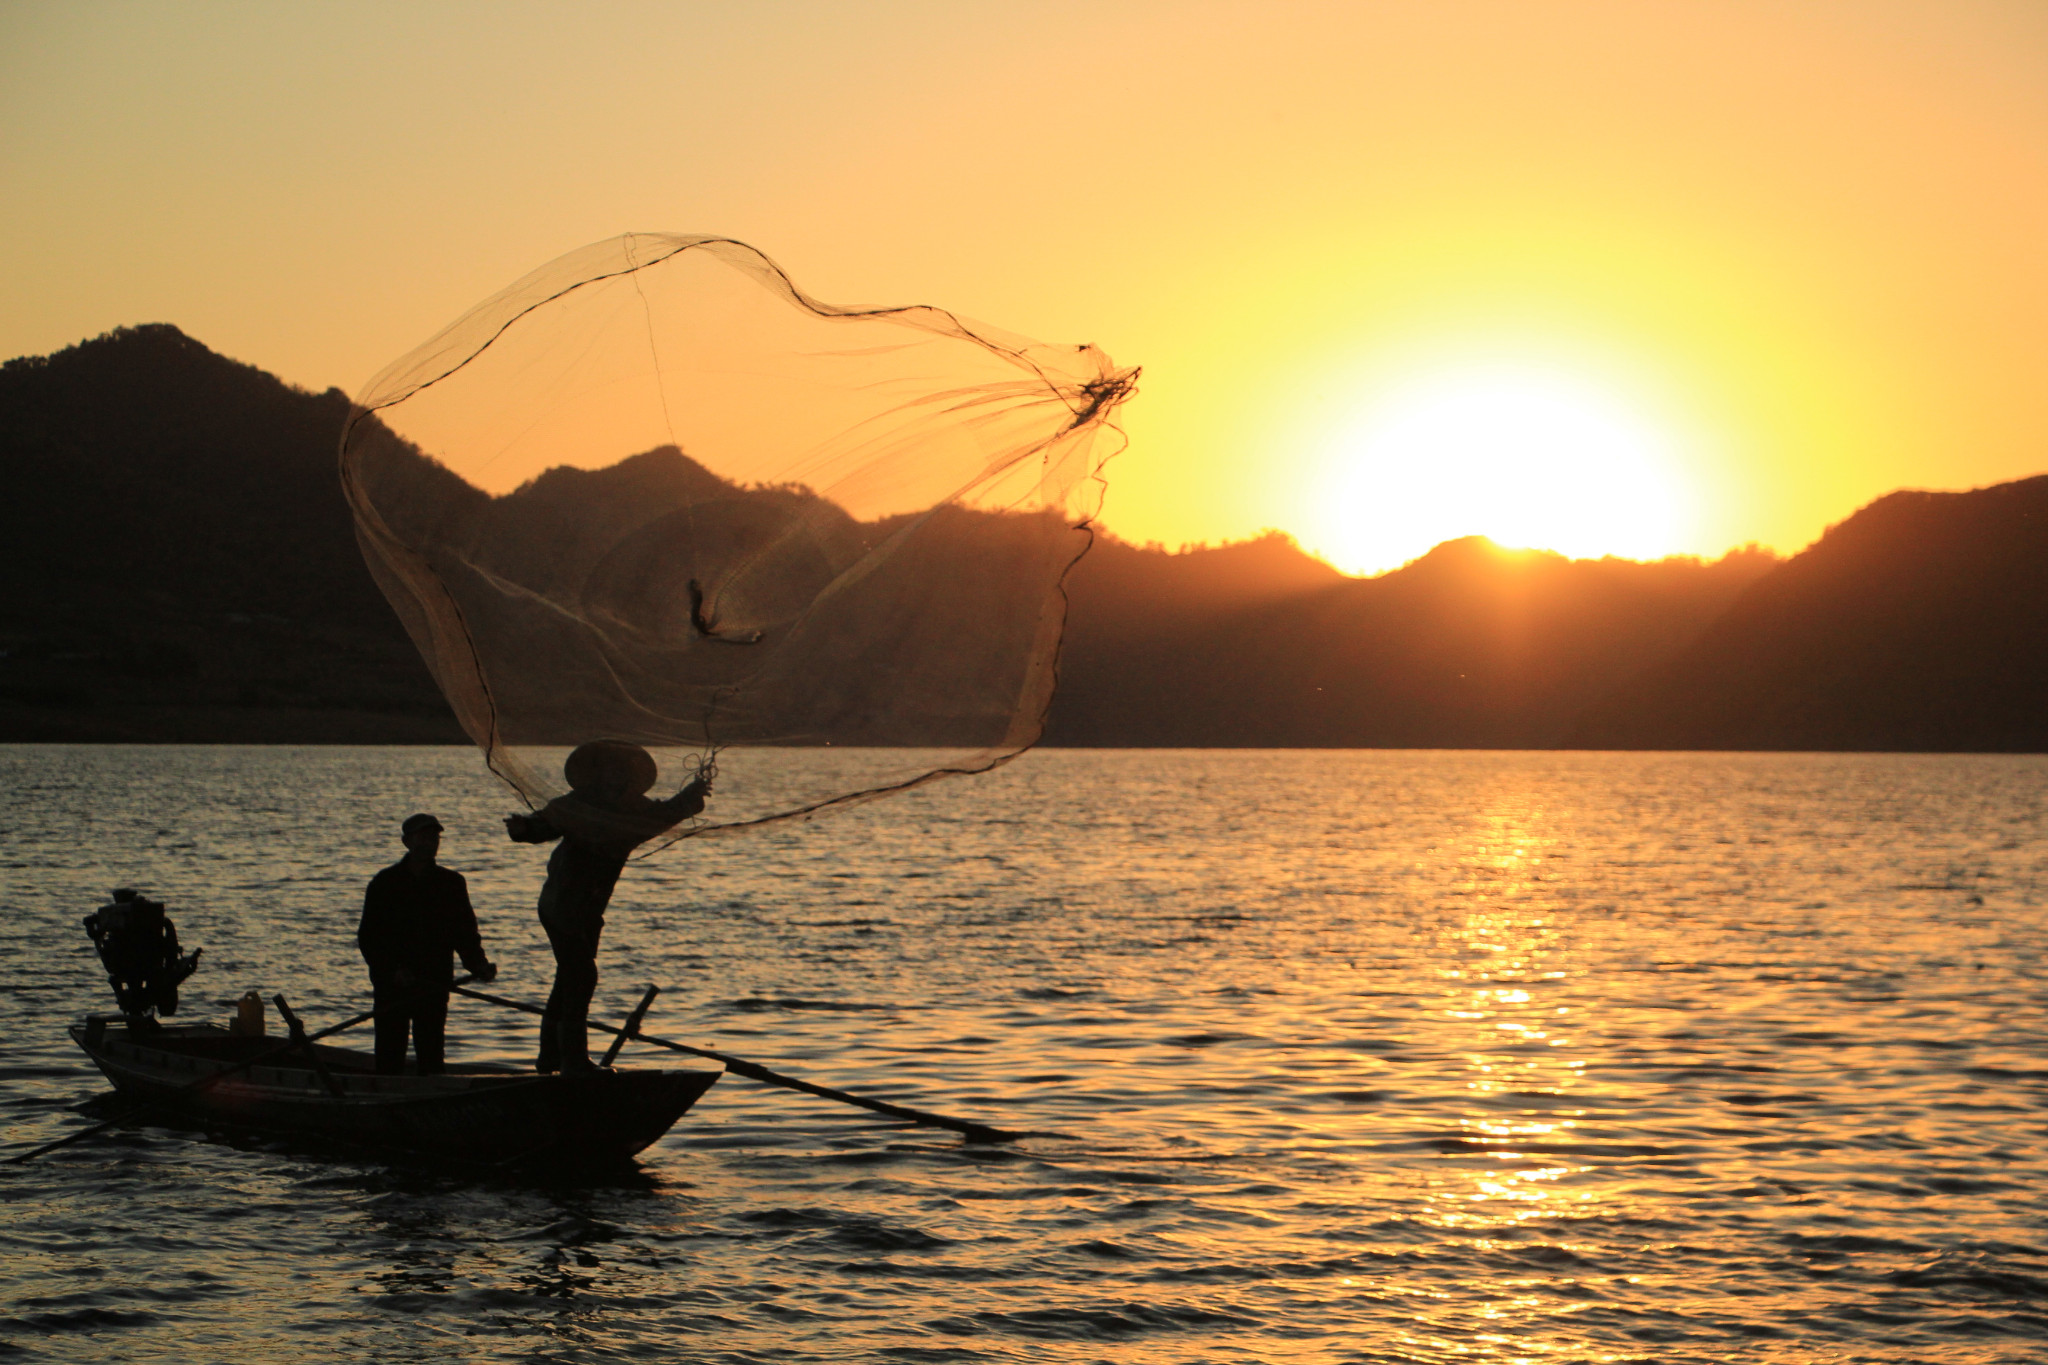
416,916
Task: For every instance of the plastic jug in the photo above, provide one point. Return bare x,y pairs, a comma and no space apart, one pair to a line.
248,1016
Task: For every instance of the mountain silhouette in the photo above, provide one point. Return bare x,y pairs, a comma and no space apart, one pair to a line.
179,564
1920,623
178,561
1469,646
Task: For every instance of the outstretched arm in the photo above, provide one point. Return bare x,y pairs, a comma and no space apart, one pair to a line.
530,829
689,800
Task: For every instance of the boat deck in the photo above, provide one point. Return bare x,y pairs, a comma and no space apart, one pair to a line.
475,1110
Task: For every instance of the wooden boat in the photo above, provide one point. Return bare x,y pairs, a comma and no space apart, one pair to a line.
476,1112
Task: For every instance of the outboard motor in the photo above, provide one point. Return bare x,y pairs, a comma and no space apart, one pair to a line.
138,945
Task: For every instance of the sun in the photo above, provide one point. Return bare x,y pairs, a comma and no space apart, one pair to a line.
1529,455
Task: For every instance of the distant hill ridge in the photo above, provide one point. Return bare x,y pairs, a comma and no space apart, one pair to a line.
177,559
180,565
1919,623
1469,646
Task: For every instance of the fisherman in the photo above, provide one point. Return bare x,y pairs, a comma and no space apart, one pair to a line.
605,816
416,916
138,945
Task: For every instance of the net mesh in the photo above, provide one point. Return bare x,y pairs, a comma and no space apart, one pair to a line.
654,492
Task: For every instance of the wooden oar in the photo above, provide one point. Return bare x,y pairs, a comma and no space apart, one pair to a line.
631,1028
305,1044
754,1071
293,1044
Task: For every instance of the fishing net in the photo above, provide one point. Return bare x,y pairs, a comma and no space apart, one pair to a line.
653,492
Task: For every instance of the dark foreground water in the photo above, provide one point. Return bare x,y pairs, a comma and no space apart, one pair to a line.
1355,1057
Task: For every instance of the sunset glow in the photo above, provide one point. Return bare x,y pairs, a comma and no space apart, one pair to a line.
1145,680
1527,455
1817,225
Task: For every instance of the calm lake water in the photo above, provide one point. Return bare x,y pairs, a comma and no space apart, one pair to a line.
1417,1057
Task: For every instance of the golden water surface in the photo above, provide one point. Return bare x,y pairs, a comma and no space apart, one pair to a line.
1420,1057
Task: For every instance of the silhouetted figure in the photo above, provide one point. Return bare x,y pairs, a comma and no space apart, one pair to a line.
416,917
138,945
605,816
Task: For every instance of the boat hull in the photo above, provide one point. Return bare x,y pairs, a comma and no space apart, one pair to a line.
477,1113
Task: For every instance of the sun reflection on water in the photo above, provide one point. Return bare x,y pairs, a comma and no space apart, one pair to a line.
1509,1174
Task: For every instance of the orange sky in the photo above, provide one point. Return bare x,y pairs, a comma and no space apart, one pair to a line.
1788,256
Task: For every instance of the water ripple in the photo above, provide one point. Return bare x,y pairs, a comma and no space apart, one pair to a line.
1424,1058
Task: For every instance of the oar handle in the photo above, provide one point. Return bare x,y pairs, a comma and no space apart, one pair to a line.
301,1043
631,1028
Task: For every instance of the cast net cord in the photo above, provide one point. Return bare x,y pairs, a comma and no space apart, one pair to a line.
401,394
707,758
1087,528
882,502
